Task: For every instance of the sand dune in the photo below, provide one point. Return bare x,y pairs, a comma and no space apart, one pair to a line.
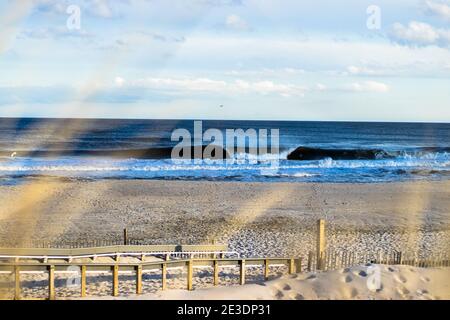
360,282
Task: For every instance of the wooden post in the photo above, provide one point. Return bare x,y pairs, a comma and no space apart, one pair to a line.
163,276
266,269
115,291
299,265
310,257
51,282
138,279
83,281
17,290
242,271
216,272
190,274
291,266
125,236
320,243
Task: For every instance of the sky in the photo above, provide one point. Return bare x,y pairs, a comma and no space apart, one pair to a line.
344,60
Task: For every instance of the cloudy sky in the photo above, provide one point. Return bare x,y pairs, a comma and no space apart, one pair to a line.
226,59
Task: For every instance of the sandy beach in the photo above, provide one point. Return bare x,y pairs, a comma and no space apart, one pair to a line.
255,219
395,283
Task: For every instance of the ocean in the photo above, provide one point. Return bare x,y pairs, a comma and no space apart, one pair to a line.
363,152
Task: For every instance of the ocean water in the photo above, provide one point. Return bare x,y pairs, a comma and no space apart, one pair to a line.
140,149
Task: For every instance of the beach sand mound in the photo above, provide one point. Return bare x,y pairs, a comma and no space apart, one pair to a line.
360,282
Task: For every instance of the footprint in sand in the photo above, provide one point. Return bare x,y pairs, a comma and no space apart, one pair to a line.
354,293
299,297
287,287
402,291
362,273
390,269
311,277
424,279
422,291
279,295
346,270
400,279
347,279
294,276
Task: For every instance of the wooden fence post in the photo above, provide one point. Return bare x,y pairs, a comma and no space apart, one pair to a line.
310,258
242,271
17,289
266,269
125,236
163,276
216,272
115,291
298,267
320,243
83,281
400,258
51,282
190,274
291,266
138,279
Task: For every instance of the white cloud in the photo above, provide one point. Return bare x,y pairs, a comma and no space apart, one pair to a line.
236,22
321,87
369,86
102,8
97,8
419,33
266,72
440,9
354,70
206,85
416,32
119,81
54,33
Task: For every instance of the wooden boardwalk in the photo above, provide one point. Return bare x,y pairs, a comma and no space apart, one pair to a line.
17,268
18,261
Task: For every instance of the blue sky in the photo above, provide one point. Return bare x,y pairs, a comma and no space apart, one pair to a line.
226,59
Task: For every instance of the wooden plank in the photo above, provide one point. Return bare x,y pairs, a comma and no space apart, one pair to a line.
139,279
163,276
17,290
110,249
83,281
115,286
51,282
242,271
216,273
190,273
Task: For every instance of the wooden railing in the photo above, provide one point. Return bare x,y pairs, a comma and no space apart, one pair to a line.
294,265
114,251
330,260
